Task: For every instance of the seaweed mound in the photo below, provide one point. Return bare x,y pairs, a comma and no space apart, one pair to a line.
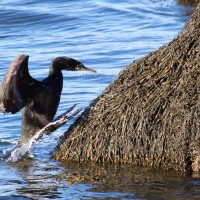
150,114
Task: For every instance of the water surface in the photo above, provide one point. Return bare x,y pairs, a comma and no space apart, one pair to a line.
105,35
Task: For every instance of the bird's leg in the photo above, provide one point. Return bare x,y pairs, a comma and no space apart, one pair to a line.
19,150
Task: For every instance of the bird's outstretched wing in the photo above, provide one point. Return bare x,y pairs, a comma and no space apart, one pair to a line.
11,99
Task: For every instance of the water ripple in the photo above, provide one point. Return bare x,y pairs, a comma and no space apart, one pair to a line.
106,35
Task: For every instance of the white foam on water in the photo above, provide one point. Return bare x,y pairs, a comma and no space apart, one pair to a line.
7,141
18,152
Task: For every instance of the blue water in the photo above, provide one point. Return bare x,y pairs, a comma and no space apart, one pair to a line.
104,35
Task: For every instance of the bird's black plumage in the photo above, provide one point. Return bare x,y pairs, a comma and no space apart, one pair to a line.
40,99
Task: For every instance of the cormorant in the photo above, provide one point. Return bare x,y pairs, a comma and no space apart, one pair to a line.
40,99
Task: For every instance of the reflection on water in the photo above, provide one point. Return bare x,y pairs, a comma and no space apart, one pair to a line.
104,35
106,181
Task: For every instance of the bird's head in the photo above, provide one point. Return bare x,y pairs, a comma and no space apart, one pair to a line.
70,64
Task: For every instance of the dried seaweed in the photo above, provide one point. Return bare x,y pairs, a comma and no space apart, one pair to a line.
149,115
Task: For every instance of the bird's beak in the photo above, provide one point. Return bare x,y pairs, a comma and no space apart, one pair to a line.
83,68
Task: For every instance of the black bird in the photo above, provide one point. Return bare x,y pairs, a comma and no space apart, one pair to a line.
40,98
